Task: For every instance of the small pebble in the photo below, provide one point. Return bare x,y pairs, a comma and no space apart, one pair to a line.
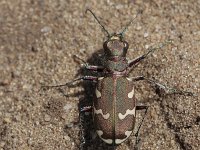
2,144
30,141
7,120
120,6
37,123
47,117
1,93
18,117
146,46
67,107
138,28
46,29
67,138
146,34
70,125
180,107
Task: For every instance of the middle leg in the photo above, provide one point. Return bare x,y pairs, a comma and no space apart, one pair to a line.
89,78
167,90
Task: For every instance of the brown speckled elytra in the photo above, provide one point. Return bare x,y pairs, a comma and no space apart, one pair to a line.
114,108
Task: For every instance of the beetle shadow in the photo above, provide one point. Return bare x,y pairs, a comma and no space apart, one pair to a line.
88,137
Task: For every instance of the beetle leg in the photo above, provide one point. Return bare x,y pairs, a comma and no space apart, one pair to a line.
135,61
93,68
82,131
138,78
90,78
138,130
167,90
86,109
90,67
85,124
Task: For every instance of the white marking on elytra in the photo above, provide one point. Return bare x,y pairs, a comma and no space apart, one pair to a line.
130,94
98,93
129,79
100,133
128,112
127,133
106,116
100,78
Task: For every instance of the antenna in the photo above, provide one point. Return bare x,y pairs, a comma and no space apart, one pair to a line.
126,27
104,29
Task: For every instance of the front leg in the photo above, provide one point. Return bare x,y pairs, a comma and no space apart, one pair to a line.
93,68
90,67
135,61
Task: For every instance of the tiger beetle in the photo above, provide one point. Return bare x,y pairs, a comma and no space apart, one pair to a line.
114,107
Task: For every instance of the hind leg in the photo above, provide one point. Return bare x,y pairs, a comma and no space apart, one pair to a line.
144,107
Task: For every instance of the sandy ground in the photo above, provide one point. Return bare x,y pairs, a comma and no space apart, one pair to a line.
37,42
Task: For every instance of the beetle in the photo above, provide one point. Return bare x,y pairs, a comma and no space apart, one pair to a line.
114,107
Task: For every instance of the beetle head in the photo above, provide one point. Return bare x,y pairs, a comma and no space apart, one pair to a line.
115,46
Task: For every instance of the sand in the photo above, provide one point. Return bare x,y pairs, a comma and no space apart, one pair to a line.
37,42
